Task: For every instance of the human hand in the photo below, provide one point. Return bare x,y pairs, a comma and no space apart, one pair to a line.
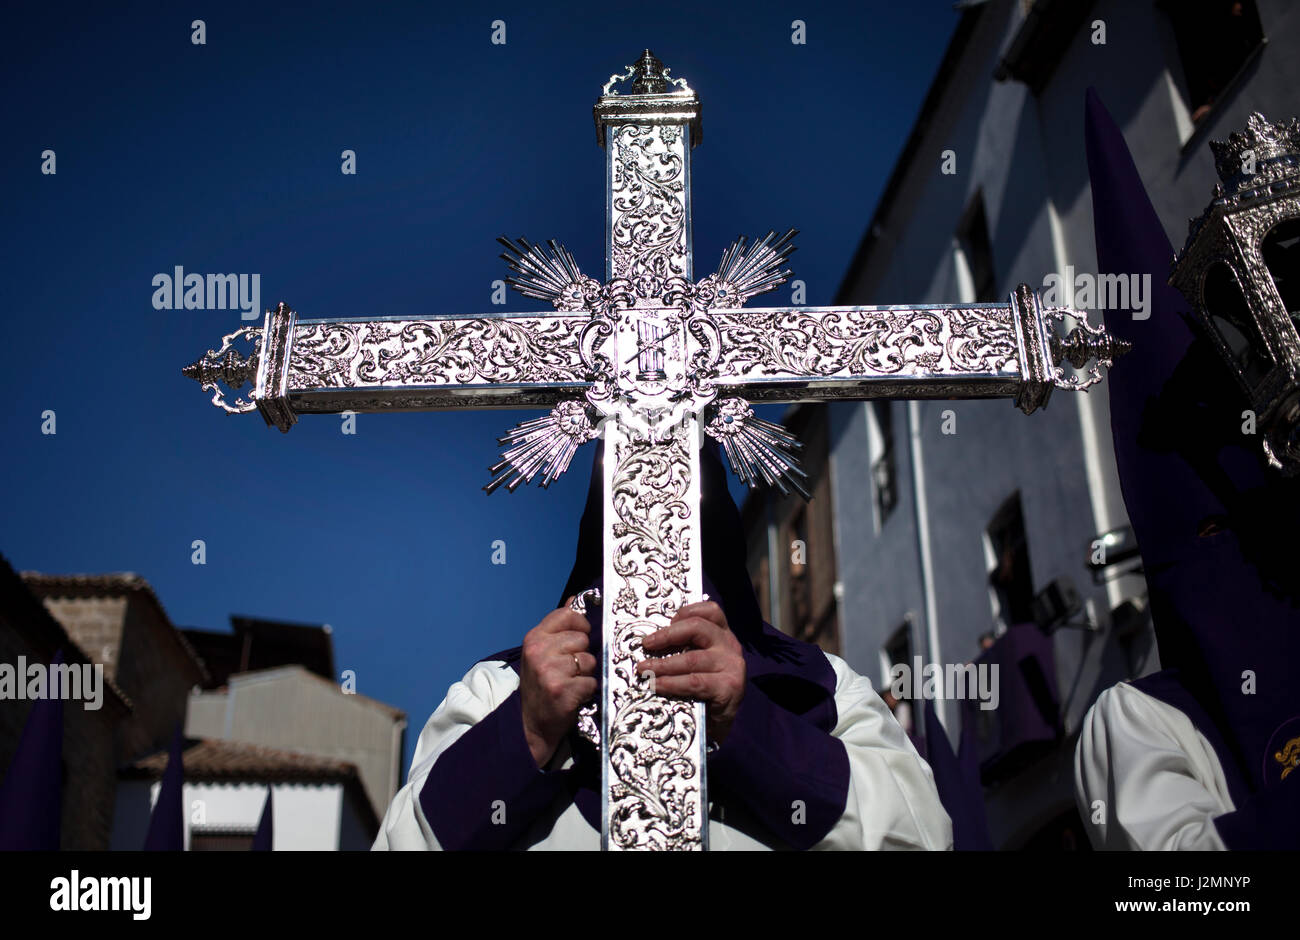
709,668
556,676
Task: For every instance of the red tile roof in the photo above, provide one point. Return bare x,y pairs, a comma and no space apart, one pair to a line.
215,760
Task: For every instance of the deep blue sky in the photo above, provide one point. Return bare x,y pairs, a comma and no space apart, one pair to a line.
225,158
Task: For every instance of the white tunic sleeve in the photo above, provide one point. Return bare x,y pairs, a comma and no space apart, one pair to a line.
892,801
468,702
1145,778
889,800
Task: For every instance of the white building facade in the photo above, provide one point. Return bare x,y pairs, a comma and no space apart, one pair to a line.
954,518
318,804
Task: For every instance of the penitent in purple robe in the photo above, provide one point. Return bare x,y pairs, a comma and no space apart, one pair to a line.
957,777
31,796
1198,755
813,760
167,821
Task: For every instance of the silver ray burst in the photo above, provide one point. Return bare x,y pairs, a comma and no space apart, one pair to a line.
757,449
543,445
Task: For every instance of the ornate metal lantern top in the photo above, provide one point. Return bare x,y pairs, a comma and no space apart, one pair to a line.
1239,271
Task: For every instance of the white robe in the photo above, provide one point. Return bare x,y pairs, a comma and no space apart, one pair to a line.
1148,775
892,801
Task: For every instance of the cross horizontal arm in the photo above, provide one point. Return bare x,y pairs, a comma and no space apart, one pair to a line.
400,364
789,354
906,352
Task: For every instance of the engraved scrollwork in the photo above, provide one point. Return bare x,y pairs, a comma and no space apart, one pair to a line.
981,341
656,776
590,347
648,203
380,398
650,756
324,356
437,352
588,714
595,342
704,358
651,508
860,341
924,387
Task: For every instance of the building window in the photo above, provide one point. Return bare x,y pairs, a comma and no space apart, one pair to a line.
884,472
1011,583
1215,39
977,280
221,838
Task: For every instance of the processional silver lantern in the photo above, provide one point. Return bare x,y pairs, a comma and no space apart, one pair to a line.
650,359
1240,271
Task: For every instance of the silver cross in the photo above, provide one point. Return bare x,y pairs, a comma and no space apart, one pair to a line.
650,359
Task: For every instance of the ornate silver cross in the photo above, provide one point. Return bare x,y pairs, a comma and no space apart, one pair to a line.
651,359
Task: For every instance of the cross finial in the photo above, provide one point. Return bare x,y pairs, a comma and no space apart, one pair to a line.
654,96
648,75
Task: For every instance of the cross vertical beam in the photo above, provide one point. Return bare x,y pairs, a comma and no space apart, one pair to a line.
652,748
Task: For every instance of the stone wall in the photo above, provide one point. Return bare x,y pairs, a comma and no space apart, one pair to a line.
157,673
